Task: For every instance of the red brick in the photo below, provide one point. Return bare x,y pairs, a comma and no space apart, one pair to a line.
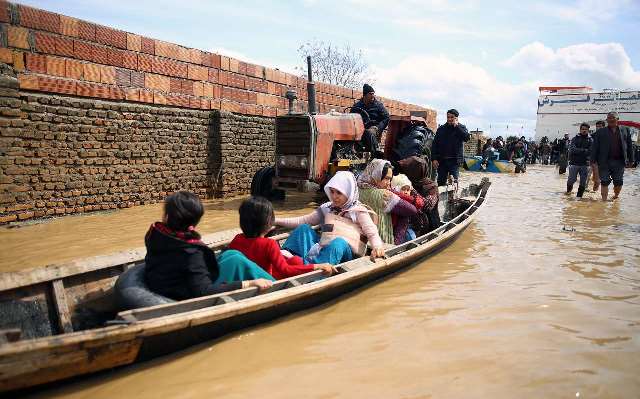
130,60
213,75
73,69
217,91
195,103
207,89
252,98
91,72
146,96
55,66
137,79
18,37
123,77
175,85
197,88
195,56
100,55
242,68
223,78
215,104
159,98
197,73
4,11
116,93
82,50
250,70
107,74
156,82
56,85
28,82
111,37
224,63
68,26
233,64
36,63
177,100
92,90
64,46
86,30
145,63
6,56
134,42
116,57
132,94
45,43
18,61
39,19
147,45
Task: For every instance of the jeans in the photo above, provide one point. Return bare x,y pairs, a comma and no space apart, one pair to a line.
449,166
574,170
303,237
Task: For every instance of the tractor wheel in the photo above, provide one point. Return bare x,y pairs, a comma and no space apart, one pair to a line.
262,184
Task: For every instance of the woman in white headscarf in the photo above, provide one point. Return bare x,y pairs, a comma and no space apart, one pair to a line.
342,191
374,184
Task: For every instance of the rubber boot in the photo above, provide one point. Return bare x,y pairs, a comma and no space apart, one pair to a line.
580,191
569,188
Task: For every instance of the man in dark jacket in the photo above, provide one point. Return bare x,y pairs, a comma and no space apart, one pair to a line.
375,118
563,147
447,151
579,150
611,151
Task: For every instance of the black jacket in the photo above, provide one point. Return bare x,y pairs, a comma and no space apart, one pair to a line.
181,270
602,142
448,143
579,150
378,115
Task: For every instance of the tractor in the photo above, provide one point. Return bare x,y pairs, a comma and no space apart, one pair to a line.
311,147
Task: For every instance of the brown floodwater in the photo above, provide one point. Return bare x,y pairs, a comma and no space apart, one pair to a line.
539,297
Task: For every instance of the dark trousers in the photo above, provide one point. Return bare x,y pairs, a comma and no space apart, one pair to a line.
449,166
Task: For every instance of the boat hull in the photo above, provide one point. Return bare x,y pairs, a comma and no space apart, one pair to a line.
474,164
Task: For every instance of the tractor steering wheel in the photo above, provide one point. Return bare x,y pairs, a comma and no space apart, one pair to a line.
365,115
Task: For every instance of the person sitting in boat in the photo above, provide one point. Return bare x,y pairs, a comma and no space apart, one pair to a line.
179,265
347,226
417,170
401,186
374,185
256,221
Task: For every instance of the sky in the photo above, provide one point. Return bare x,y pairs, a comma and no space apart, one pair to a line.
484,58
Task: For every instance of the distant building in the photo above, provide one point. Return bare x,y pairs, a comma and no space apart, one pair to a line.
562,109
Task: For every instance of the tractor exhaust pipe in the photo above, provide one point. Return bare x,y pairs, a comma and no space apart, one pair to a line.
311,88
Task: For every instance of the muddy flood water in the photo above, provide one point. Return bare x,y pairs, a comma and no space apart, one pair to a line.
539,297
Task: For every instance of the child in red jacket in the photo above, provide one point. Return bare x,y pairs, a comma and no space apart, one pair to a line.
256,221
401,186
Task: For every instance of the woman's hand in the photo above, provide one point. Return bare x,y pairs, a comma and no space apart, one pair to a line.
260,283
327,268
377,253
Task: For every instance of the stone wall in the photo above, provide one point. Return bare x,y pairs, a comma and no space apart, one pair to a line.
475,143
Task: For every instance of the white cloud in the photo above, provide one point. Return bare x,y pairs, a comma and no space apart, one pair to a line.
584,12
597,65
442,83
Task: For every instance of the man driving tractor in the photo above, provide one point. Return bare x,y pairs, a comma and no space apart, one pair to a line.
375,117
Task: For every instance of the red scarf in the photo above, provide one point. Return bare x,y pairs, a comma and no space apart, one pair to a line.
190,236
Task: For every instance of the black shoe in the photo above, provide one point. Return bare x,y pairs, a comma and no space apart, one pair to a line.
569,188
580,191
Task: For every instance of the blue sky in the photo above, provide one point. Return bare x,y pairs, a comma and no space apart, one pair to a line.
485,58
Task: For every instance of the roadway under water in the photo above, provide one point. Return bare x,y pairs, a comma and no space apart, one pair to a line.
540,297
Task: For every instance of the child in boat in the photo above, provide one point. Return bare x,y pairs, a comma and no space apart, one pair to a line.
256,221
347,226
179,265
401,186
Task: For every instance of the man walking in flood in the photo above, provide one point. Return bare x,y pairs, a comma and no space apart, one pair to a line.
610,152
579,150
447,151
375,118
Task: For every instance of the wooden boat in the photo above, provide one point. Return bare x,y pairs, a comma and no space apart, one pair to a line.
53,319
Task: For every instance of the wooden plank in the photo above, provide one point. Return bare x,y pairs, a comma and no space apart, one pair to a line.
62,306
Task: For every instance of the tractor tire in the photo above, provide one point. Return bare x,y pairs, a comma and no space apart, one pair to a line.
262,184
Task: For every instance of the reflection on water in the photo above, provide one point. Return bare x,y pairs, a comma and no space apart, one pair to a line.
538,298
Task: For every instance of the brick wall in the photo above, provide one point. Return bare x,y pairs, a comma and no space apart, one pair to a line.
60,54
93,118
471,147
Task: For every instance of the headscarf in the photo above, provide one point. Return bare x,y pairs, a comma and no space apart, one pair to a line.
400,181
344,182
416,170
372,174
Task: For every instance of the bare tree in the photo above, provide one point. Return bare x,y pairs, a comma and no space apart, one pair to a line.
342,66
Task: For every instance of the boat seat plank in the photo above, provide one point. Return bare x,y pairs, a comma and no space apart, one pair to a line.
62,306
10,335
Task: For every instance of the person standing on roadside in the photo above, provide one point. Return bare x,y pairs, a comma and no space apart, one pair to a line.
579,150
610,152
447,150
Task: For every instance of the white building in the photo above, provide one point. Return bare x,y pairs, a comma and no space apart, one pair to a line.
562,109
